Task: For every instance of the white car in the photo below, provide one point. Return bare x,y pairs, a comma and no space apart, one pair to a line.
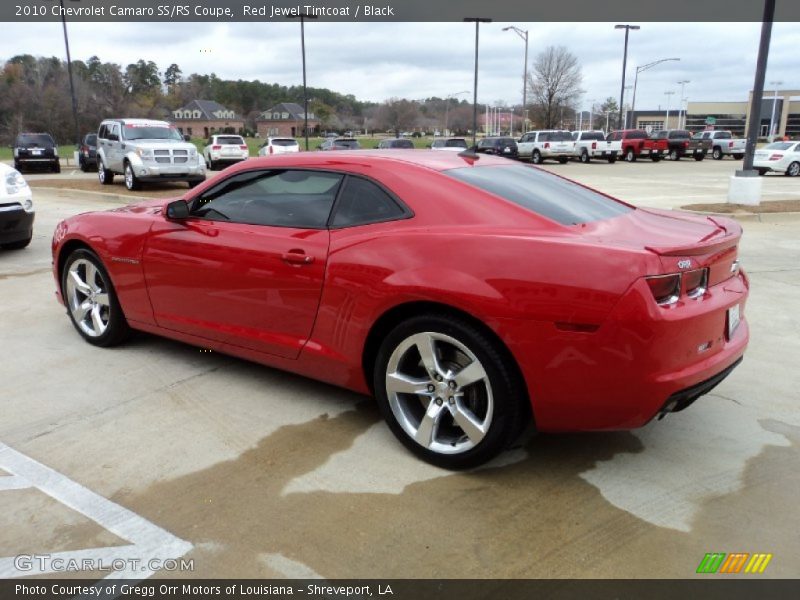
781,157
16,209
552,143
225,149
453,144
278,145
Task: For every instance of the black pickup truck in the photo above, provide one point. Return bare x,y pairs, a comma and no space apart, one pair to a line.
681,143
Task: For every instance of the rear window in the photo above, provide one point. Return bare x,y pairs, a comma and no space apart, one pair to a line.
540,192
592,135
352,144
556,136
722,135
230,139
779,146
456,144
401,144
91,139
284,142
34,139
679,135
637,135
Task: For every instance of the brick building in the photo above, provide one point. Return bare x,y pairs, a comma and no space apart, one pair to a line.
285,120
202,118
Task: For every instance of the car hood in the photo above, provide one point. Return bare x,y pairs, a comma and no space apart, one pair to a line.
145,207
161,145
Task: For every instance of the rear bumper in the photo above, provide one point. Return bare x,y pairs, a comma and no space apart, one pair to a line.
639,359
682,399
16,225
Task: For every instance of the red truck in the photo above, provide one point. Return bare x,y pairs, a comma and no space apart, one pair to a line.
637,144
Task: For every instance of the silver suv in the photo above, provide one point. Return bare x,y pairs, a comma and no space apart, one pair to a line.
144,150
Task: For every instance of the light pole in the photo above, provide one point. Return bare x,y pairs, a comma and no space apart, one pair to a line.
303,17
523,33
477,21
69,72
681,109
636,81
627,29
447,107
669,97
775,84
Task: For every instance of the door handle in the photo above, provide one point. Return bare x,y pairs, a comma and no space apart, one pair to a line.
297,257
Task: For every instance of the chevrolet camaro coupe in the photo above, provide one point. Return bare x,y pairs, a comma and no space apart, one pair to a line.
474,297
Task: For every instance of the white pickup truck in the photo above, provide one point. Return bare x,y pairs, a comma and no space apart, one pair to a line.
593,144
723,143
540,145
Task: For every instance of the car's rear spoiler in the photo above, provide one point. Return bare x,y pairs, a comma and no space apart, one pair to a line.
712,242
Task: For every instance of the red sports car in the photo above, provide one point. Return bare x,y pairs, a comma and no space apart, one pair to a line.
474,297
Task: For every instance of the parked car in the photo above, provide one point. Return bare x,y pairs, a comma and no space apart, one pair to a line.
225,149
779,157
87,153
474,299
501,146
680,143
36,150
593,144
278,145
145,151
723,144
541,145
16,210
636,143
340,144
396,143
452,144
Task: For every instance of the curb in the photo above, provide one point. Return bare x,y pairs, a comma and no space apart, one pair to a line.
104,195
778,217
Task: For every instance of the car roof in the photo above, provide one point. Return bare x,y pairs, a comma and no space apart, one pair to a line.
430,159
138,122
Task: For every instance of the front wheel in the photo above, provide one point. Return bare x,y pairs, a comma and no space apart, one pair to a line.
699,157
91,301
447,391
630,155
131,181
536,157
793,170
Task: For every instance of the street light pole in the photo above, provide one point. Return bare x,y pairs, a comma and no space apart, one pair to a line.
477,21
69,72
523,33
636,81
681,109
666,120
775,84
303,17
627,29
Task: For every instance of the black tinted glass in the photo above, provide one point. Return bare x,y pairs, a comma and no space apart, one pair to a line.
545,194
230,140
361,202
593,135
455,144
34,139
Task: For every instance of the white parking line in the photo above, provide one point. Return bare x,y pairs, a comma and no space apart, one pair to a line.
148,542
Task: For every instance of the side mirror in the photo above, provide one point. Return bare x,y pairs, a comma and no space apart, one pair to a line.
178,209
187,138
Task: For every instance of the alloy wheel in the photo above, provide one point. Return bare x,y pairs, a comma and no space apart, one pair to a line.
87,297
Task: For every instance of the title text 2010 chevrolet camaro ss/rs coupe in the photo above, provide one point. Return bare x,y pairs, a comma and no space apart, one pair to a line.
475,298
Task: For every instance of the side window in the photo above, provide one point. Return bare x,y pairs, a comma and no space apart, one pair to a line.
278,198
114,130
103,133
362,202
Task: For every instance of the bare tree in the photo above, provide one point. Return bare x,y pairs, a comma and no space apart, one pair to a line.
397,114
553,84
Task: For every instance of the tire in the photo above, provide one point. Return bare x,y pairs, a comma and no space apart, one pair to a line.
716,153
56,168
131,182
699,157
563,160
85,282
584,157
612,159
738,156
630,155
536,157
105,176
495,397
17,245
83,166
673,155
793,170
762,172
18,166
655,157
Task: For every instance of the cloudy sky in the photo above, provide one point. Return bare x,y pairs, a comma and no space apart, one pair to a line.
375,61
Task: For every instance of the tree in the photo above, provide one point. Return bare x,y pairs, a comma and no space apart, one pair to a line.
172,76
553,84
397,114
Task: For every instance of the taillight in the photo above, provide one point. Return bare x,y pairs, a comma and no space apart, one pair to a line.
695,283
685,144
666,289
730,144
594,145
776,157
243,147
271,149
547,144
216,147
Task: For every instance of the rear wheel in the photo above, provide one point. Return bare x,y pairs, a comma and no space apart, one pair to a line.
56,167
536,157
105,176
716,154
91,301
630,155
447,392
793,170
584,157
673,155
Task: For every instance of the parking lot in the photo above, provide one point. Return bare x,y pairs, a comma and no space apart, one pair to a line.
253,472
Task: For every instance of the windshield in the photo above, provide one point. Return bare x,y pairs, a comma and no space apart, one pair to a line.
25,140
456,143
543,193
151,132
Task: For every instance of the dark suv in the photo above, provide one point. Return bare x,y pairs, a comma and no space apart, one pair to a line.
36,150
396,143
500,146
87,153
